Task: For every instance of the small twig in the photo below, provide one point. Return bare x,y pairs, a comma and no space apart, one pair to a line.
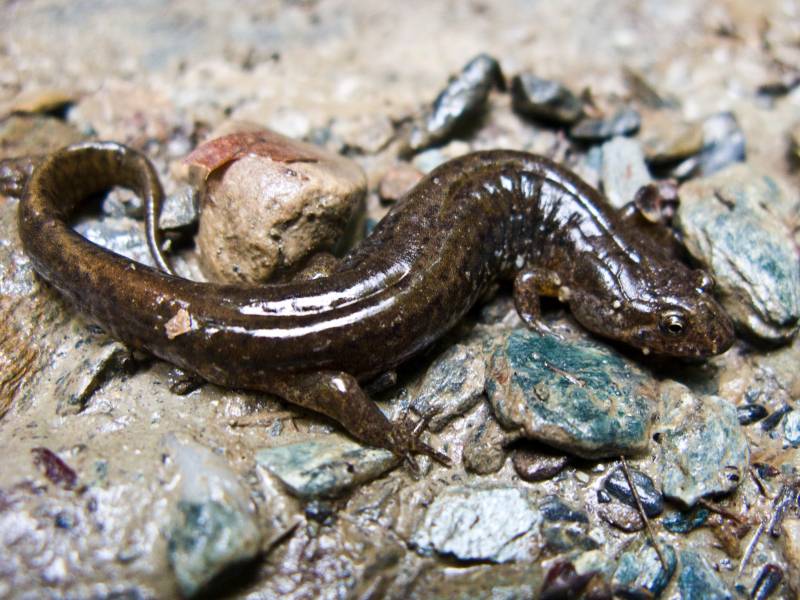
761,487
568,376
750,547
713,507
642,514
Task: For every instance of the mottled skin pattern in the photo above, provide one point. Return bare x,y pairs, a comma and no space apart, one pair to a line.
487,215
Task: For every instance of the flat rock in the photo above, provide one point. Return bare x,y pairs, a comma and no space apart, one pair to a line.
730,225
451,386
473,524
624,170
703,448
642,569
324,467
578,397
698,581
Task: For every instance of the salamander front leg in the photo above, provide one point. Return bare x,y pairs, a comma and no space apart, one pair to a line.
339,396
529,286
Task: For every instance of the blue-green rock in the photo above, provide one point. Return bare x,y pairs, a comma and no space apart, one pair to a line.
698,581
580,397
643,569
703,448
207,538
214,525
731,224
324,467
685,521
492,524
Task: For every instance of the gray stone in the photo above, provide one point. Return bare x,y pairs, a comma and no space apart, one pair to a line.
180,210
473,524
625,121
484,445
642,569
579,397
624,170
703,448
791,428
215,525
451,386
698,581
731,228
544,99
723,145
94,360
325,467
122,235
461,101
616,484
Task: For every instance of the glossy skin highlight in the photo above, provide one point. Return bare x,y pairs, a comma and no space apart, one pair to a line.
482,217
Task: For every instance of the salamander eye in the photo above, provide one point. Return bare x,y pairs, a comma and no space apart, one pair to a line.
672,323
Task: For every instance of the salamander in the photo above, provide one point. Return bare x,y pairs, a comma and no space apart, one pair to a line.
476,219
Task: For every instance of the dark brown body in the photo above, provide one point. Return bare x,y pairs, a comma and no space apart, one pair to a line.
483,216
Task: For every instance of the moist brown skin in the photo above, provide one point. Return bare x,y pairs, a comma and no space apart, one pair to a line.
482,217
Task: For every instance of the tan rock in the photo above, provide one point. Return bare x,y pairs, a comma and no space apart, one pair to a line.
790,542
271,203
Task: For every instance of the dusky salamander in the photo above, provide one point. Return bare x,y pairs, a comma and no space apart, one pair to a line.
476,219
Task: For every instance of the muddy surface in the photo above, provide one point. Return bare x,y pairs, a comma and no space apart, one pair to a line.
113,485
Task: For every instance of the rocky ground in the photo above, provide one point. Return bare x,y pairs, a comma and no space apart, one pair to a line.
114,485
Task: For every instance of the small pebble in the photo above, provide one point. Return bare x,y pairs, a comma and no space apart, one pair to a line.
685,521
624,170
531,465
180,210
555,509
723,144
772,421
544,99
791,429
666,138
768,581
621,516
625,121
463,98
751,413
398,180
617,485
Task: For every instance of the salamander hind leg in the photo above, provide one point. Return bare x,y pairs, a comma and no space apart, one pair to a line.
529,286
339,396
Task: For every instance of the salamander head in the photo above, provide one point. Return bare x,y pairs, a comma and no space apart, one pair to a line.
669,311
